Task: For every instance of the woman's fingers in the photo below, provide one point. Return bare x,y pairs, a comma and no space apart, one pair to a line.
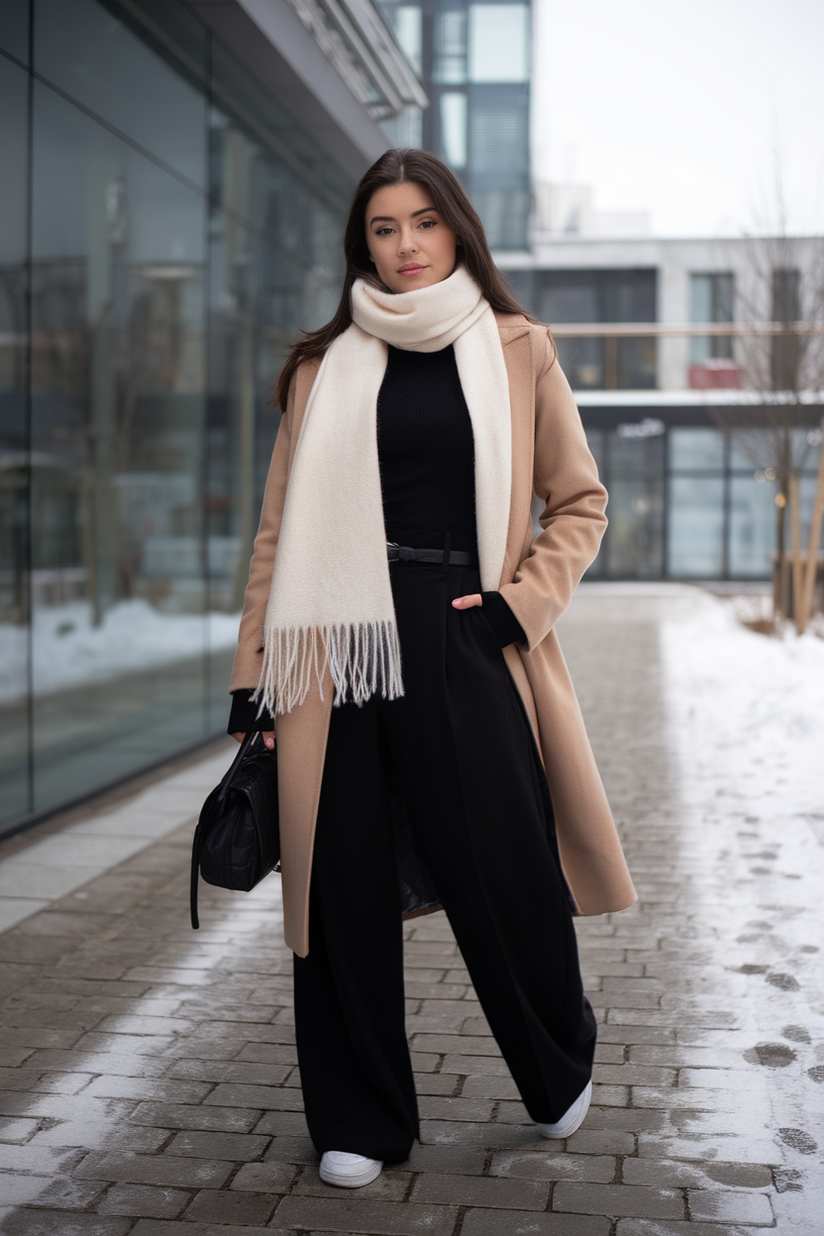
268,738
467,602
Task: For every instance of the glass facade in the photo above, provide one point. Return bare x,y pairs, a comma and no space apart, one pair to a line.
167,228
685,500
475,65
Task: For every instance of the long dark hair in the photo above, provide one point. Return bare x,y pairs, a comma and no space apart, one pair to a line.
397,167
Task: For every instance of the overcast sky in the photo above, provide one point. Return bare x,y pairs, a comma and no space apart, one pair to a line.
679,108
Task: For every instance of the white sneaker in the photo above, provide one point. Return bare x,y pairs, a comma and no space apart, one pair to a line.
348,1171
572,1119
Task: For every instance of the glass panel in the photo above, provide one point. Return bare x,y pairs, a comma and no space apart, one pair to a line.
117,426
582,360
407,23
14,530
97,60
752,527
278,273
14,28
635,537
635,364
453,128
695,449
696,527
449,65
499,42
752,448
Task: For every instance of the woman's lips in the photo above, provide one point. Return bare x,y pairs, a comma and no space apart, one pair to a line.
413,269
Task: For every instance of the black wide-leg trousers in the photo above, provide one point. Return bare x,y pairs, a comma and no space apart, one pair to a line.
457,751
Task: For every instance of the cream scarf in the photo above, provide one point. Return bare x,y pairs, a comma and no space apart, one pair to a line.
330,602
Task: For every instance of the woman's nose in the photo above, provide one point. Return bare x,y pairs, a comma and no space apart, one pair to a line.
407,244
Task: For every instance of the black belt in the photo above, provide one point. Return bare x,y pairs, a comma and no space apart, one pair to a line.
445,557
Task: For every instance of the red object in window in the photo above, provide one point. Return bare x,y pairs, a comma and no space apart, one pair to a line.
715,375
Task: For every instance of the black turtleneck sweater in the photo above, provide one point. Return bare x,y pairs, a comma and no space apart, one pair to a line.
427,463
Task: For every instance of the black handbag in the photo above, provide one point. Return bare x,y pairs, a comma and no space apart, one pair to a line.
237,841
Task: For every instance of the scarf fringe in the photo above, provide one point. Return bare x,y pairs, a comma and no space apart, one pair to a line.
363,658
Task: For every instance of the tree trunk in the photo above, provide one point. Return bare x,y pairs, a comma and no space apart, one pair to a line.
795,541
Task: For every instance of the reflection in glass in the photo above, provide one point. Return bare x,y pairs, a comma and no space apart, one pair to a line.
14,457
83,48
696,527
118,588
14,28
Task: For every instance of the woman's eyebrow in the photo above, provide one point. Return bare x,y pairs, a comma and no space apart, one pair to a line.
391,218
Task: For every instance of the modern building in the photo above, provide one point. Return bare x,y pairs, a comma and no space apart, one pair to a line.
174,182
698,366
474,59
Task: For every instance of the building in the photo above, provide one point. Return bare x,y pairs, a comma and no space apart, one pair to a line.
698,366
175,180
475,63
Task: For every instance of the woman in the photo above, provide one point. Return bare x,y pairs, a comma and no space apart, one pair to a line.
398,625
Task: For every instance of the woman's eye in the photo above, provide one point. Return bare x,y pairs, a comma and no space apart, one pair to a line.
383,231
428,223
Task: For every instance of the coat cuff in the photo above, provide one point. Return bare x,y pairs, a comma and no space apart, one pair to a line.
505,625
243,716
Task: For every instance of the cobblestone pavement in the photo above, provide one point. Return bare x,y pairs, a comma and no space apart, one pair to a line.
148,1072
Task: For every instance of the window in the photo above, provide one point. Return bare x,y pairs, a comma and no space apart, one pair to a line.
711,300
601,296
453,128
449,66
786,310
499,42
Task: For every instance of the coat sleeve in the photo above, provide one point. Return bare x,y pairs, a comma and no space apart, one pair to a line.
565,478
248,661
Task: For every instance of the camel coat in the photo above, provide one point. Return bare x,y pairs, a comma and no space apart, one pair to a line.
549,455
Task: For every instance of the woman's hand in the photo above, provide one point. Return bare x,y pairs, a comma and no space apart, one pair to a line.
467,602
267,735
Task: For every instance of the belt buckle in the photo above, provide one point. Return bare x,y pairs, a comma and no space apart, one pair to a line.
393,551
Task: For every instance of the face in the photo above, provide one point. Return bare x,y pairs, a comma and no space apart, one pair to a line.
408,241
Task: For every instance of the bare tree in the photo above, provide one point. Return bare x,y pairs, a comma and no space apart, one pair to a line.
782,363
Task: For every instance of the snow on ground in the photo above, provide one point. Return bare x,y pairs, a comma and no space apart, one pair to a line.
752,701
68,650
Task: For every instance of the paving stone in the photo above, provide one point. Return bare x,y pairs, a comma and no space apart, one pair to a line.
481,1191
437,1107
191,1116
528,1223
729,1207
678,1173
269,1177
144,1201
226,1206
461,1159
351,1216
242,1147
618,1200
538,1165
155,1169
672,1227
61,1223
601,1141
